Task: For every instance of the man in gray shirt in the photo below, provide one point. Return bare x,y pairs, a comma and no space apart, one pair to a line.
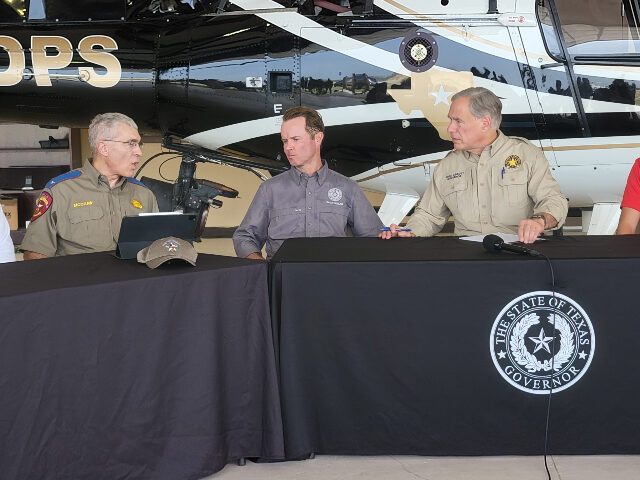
307,201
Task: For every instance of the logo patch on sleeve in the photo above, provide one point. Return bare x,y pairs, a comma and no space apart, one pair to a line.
44,202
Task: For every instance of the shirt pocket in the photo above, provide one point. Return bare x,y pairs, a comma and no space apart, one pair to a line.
333,220
513,187
286,223
89,227
459,197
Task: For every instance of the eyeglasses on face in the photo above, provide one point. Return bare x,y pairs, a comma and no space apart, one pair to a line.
132,143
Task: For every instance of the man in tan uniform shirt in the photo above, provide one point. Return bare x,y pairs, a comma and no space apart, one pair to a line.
81,211
489,182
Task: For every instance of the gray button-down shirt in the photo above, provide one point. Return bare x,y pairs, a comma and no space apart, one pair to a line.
293,205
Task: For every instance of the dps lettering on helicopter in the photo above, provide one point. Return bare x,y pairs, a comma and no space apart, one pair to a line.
218,74
42,63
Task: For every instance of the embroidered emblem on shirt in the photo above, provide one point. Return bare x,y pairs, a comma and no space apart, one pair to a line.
335,194
171,246
454,175
44,202
136,203
512,161
82,204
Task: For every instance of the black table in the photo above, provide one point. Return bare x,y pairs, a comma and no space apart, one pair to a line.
385,347
110,370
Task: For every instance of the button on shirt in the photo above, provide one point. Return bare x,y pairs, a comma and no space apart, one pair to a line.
85,213
490,192
293,205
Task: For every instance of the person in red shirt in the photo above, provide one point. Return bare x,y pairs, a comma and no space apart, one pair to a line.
630,206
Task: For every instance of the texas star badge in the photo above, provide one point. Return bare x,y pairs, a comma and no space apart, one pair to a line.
136,203
512,161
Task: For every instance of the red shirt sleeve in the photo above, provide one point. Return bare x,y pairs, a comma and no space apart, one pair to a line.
631,197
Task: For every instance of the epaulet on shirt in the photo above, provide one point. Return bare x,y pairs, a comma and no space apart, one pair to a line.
137,182
523,140
63,177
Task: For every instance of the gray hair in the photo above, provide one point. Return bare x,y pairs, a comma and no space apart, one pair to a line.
482,102
103,126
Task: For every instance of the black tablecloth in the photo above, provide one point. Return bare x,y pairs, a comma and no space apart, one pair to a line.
110,370
384,347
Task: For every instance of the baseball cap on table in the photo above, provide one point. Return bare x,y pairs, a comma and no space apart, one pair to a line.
165,249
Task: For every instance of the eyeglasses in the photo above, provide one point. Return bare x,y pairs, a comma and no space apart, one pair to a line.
132,143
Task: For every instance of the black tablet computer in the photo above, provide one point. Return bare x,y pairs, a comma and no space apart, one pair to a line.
140,231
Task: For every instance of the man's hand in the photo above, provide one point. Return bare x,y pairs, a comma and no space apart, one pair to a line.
255,256
530,229
393,232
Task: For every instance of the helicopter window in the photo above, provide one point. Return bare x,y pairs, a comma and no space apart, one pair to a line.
280,82
548,32
593,27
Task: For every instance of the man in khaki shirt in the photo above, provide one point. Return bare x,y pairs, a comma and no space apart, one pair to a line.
489,182
81,211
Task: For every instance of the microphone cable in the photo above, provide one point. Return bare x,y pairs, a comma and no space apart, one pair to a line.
553,355
493,243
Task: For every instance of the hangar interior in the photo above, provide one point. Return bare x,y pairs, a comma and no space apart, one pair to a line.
40,153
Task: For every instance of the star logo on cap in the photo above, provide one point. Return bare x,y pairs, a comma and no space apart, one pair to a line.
171,245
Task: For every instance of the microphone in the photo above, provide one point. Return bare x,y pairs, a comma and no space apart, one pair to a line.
493,243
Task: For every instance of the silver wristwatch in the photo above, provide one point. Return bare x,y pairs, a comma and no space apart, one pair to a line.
544,220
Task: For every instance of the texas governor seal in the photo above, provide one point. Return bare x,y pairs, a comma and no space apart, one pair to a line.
542,342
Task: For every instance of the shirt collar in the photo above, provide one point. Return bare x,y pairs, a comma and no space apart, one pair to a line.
320,175
96,177
90,171
491,149
496,145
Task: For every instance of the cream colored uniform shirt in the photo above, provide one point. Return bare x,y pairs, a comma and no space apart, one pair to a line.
489,193
78,212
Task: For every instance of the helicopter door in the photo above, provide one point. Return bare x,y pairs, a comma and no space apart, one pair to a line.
585,58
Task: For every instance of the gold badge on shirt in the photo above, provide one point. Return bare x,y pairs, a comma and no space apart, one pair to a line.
82,204
512,161
136,203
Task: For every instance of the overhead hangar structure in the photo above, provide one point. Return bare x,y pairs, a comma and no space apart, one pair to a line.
218,74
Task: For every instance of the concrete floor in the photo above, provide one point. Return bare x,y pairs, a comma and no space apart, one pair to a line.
605,467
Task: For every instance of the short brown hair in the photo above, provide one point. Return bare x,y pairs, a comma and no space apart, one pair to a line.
312,120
